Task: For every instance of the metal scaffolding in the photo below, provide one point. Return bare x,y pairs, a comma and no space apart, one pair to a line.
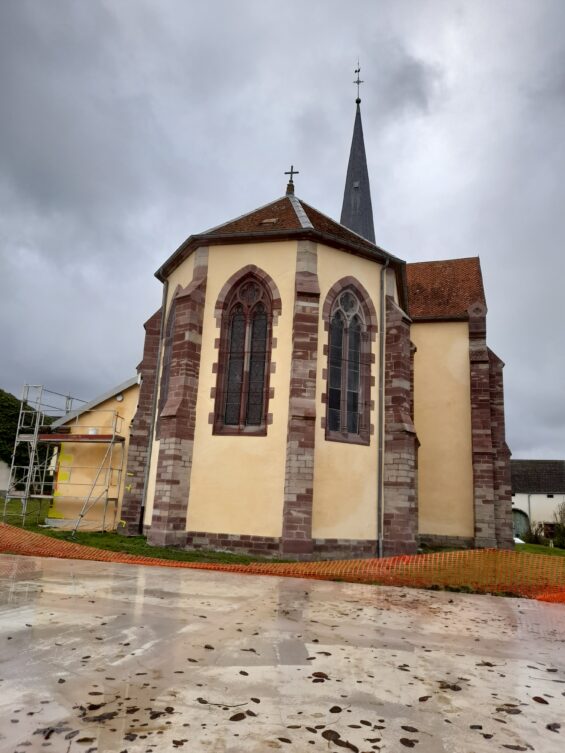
40,471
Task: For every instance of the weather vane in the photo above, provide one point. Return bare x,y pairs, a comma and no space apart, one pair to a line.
358,81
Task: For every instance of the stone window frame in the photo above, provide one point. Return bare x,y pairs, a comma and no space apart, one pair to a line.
368,336
221,312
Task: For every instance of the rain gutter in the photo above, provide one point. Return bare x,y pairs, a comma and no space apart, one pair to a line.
381,413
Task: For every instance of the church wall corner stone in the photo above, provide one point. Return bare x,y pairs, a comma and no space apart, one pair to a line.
481,430
501,473
400,515
140,432
299,469
178,417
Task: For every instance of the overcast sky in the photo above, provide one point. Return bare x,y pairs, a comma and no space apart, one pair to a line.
127,125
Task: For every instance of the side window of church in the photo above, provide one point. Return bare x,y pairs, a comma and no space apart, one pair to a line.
349,371
245,353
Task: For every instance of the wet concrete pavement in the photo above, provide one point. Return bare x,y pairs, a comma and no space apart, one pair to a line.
107,657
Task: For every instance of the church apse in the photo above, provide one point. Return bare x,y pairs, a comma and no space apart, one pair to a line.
279,379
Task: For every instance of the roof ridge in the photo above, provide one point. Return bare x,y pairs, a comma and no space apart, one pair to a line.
303,218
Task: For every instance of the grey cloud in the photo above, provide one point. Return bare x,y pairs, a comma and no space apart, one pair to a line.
407,84
127,126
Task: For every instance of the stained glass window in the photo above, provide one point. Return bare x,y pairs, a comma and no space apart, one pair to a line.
255,394
236,358
353,382
336,365
245,353
348,369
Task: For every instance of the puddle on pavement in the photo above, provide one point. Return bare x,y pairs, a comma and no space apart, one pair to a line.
94,659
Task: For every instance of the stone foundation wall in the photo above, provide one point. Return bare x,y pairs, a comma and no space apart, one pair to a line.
267,546
346,549
434,540
263,546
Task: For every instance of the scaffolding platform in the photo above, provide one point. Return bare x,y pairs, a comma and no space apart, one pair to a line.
48,422
82,438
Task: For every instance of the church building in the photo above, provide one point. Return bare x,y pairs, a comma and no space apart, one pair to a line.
306,394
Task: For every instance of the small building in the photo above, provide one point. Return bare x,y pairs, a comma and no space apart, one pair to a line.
92,445
538,488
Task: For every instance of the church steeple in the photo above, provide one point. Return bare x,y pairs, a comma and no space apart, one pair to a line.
357,210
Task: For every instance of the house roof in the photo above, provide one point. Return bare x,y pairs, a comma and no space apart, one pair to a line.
93,403
444,289
538,476
285,218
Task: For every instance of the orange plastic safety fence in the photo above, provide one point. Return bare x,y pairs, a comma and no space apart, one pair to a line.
487,570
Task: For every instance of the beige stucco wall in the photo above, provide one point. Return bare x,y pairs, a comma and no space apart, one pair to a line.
78,463
182,276
442,416
391,286
151,481
345,475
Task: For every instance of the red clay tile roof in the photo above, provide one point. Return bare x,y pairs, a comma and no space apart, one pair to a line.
326,225
285,215
281,210
444,289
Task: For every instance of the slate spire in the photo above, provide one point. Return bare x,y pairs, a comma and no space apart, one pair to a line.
357,210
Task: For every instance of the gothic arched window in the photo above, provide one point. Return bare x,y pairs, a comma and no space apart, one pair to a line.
245,352
349,370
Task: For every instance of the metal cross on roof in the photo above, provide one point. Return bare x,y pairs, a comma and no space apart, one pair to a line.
292,172
358,81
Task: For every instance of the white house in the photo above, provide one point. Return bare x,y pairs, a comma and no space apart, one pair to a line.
538,487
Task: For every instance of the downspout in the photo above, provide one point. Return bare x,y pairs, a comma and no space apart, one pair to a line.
381,415
153,406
